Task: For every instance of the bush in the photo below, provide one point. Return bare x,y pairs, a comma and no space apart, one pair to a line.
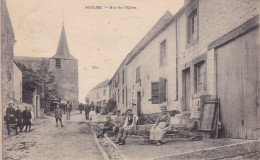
111,105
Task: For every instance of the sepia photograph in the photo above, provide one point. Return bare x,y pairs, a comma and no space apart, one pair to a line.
130,79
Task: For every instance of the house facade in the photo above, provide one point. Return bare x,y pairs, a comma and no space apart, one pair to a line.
7,62
151,69
99,95
18,84
206,48
217,54
118,87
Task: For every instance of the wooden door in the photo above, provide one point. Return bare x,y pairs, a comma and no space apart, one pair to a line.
237,76
186,89
139,104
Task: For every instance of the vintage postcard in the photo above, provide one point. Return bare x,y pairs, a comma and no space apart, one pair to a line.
130,79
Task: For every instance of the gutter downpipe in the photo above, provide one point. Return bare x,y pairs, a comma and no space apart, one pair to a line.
176,97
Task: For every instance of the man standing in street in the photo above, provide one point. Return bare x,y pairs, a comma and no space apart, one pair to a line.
58,115
87,110
10,117
27,119
19,117
68,110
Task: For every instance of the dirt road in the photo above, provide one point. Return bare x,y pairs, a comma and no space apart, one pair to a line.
46,141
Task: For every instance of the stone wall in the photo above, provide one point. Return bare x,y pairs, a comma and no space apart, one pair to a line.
215,19
18,78
7,47
66,79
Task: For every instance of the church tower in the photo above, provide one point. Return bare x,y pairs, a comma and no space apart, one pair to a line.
65,69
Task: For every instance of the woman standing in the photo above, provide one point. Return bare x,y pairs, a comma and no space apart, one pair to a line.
162,124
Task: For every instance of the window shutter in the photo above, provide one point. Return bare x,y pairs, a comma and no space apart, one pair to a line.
162,89
155,93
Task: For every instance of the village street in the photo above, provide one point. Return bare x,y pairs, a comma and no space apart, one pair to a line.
46,141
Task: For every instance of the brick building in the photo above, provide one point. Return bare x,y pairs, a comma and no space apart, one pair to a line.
7,48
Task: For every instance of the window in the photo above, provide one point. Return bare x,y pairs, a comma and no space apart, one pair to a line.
155,93
123,76
162,90
97,95
118,77
118,95
58,63
138,74
193,26
159,91
123,97
104,92
163,60
200,76
104,102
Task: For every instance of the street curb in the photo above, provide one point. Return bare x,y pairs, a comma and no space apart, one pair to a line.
227,151
104,154
115,146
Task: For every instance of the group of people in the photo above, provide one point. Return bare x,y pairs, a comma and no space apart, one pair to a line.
123,125
16,118
59,110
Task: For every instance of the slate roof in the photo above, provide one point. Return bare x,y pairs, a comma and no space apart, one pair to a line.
102,84
63,49
161,24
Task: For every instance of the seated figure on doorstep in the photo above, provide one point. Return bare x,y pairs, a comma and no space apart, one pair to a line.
108,126
162,124
129,127
118,122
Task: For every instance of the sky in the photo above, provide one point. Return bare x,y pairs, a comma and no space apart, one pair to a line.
99,38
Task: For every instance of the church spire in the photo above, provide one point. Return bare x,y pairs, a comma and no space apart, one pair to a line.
63,49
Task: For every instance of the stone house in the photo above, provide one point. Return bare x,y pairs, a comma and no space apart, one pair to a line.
217,54
118,87
206,48
99,95
151,69
7,63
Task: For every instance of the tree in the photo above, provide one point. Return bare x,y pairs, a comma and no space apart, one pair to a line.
40,79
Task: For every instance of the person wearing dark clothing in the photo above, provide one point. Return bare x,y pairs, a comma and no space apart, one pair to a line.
87,110
27,119
63,107
58,115
81,107
107,127
10,117
19,117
